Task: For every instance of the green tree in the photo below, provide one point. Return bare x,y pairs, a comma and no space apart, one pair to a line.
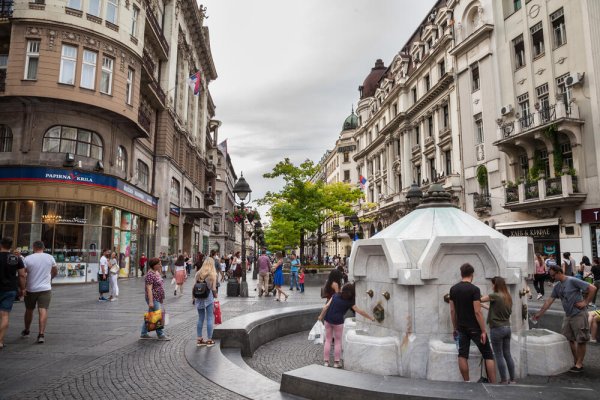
306,204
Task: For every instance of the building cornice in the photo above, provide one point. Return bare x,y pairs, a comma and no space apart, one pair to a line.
471,40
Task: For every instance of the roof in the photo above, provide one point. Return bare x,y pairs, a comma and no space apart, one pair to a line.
371,82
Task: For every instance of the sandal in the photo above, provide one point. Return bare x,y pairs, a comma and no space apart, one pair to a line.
209,343
200,342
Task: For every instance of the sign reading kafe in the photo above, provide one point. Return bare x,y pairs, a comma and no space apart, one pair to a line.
75,177
542,232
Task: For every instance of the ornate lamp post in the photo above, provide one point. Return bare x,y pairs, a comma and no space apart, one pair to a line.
414,196
241,189
354,220
257,228
336,229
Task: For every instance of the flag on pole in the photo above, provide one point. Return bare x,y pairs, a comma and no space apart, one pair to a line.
362,182
195,83
223,147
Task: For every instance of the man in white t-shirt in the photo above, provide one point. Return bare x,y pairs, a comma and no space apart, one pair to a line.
103,271
41,268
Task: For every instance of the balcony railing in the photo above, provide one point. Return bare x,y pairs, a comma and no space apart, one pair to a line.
144,120
157,29
158,91
532,191
553,187
148,63
6,9
209,198
542,196
2,80
526,121
481,201
512,194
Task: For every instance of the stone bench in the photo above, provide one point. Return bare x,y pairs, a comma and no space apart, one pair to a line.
318,382
250,331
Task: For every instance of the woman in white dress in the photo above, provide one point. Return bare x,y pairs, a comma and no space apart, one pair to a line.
114,276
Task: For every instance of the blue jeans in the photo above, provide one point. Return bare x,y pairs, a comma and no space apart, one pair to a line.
210,321
159,332
302,288
294,280
500,338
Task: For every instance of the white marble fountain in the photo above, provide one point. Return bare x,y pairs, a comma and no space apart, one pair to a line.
408,268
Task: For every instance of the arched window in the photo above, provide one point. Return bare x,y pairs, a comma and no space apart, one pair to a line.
122,159
175,191
5,139
143,173
66,139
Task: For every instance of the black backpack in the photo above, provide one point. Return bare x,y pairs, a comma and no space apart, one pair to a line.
201,290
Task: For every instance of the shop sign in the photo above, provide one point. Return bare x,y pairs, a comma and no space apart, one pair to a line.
75,177
590,216
542,232
174,210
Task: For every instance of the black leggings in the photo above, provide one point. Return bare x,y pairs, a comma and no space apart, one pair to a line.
538,283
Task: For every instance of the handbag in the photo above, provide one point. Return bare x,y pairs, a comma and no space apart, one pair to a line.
103,285
154,320
114,269
217,312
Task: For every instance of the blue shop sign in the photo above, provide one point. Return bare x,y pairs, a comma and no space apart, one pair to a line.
174,210
77,177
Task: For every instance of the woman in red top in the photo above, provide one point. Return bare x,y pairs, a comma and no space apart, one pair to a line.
155,295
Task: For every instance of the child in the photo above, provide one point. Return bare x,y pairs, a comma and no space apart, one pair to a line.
301,280
333,314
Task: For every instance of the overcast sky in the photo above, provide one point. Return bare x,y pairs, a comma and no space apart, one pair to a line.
289,72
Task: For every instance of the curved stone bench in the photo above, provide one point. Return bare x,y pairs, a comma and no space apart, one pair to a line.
250,331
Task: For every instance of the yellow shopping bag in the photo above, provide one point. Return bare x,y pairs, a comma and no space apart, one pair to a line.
154,320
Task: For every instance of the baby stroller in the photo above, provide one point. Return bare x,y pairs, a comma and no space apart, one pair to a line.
271,286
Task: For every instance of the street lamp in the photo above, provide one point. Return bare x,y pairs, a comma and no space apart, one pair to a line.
336,229
241,189
257,227
354,220
414,196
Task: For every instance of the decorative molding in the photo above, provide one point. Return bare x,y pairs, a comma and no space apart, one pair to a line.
33,31
540,71
561,60
93,18
51,39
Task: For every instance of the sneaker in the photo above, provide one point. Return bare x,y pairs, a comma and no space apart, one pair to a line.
175,293
539,296
103,299
113,299
164,337
24,333
41,338
337,364
326,364
145,336
576,369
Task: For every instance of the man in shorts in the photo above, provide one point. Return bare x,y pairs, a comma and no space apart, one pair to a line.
575,325
468,323
10,287
41,268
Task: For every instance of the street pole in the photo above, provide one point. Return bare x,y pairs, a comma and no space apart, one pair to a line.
244,284
254,269
319,235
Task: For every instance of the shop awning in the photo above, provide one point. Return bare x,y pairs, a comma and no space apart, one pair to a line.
196,212
526,224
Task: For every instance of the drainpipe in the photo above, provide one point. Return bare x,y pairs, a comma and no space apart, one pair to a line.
460,144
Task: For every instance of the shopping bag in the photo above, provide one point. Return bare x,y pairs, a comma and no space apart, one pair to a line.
217,312
103,285
317,333
154,320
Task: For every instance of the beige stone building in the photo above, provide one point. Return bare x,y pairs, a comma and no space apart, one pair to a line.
103,144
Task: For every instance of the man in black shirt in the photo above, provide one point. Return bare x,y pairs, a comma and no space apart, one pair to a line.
596,274
468,323
10,265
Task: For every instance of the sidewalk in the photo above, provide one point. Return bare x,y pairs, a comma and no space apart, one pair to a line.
93,350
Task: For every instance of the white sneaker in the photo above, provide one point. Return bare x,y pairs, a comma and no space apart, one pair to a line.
539,296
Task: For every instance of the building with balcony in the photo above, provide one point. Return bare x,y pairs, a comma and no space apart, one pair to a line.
102,143
408,128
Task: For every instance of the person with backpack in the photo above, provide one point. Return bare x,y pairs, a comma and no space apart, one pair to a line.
204,295
12,283
568,264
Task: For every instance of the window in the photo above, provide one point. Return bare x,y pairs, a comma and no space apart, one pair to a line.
537,39
75,4
478,129
196,202
218,196
430,125
134,20
414,94
88,69
564,90
187,197
417,175
475,77
524,165
143,175
559,31
94,7
121,159
448,160
347,176
129,87
395,109
32,59
523,101
5,139
417,134
217,224
519,48
567,154
446,116
68,63
427,83
174,192
346,156
543,101
516,5
107,75
112,11
442,68
66,139
432,171
545,161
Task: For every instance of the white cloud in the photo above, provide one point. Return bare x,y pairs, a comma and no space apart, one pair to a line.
289,72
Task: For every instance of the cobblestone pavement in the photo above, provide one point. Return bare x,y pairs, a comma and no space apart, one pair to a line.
93,350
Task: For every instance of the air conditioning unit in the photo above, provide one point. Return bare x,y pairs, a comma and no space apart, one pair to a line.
574,79
506,110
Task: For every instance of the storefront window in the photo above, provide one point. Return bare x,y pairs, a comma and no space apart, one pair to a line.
7,230
7,210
